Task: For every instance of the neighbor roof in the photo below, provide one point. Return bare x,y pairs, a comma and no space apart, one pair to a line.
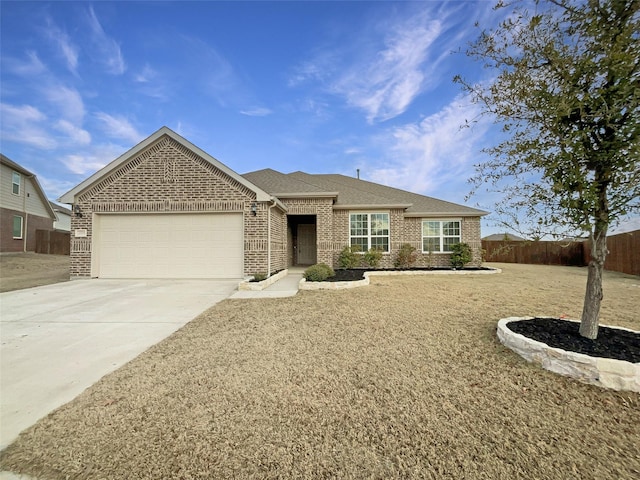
504,236
59,208
352,192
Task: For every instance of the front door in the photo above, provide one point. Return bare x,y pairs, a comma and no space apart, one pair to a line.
306,244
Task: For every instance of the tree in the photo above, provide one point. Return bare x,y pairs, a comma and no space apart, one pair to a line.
566,92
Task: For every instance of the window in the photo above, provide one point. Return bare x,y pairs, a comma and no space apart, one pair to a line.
439,235
17,226
369,230
15,180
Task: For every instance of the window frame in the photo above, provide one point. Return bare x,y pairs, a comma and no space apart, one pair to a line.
368,236
21,235
441,234
15,183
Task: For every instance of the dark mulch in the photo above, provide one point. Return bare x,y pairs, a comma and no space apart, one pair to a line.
611,342
347,275
352,274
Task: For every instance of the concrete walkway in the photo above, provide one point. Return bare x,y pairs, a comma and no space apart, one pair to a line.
285,287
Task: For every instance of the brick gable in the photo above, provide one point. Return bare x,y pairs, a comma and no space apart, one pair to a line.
165,177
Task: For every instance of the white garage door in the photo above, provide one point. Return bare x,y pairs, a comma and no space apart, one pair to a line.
182,245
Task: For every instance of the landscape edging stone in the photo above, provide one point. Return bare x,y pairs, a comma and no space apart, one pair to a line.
304,285
603,372
248,285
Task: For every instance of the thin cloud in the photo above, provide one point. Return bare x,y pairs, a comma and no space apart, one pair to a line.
76,134
381,68
55,188
25,68
436,155
21,114
107,49
147,74
68,101
24,124
385,85
68,50
92,159
257,112
119,127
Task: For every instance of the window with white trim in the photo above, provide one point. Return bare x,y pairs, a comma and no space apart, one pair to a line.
17,227
369,230
439,235
15,183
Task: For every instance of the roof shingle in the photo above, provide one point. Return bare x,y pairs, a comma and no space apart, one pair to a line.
355,193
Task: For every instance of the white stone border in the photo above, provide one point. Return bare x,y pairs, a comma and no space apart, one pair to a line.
603,372
304,285
257,286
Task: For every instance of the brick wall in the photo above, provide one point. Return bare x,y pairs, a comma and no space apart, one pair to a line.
409,230
31,222
167,177
323,209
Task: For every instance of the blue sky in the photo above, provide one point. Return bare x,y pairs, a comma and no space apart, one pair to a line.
322,87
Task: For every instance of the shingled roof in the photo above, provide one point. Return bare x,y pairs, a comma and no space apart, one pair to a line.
351,193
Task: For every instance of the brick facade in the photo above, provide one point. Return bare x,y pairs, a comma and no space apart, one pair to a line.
322,209
169,178
30,223
332,233
165,176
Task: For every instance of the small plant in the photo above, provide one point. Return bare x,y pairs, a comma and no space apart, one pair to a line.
350,257
372,257
430,258
258,277
460,255
318,272
406,256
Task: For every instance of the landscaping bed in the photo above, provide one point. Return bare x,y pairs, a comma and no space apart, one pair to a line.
563,334
355,274
404,379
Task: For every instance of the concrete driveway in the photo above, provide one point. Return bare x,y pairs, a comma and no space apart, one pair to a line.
57,340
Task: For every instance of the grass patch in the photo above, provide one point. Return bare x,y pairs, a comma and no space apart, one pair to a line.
401,379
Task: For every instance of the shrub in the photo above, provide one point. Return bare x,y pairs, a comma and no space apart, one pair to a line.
461,255
349,257
406,256
373,257
318,272
258,277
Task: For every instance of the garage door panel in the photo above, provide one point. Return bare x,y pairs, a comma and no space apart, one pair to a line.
170,246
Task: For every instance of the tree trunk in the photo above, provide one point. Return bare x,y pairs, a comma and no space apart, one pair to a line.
593,295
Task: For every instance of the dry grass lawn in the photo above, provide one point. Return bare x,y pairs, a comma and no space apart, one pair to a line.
401,379
26,270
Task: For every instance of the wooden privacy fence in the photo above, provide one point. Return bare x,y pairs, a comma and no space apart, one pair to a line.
53,242
624,252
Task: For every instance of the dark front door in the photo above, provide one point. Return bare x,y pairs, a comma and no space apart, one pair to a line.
306,244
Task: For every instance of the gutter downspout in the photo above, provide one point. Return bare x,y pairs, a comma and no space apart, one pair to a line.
273,204
25,223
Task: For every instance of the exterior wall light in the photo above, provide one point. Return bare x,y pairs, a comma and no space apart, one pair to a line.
77,211
254,209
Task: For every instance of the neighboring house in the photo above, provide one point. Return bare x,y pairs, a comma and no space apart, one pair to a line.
63,217
24,208
167,209
503,237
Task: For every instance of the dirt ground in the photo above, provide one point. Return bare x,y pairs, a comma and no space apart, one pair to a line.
24,270
401,379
